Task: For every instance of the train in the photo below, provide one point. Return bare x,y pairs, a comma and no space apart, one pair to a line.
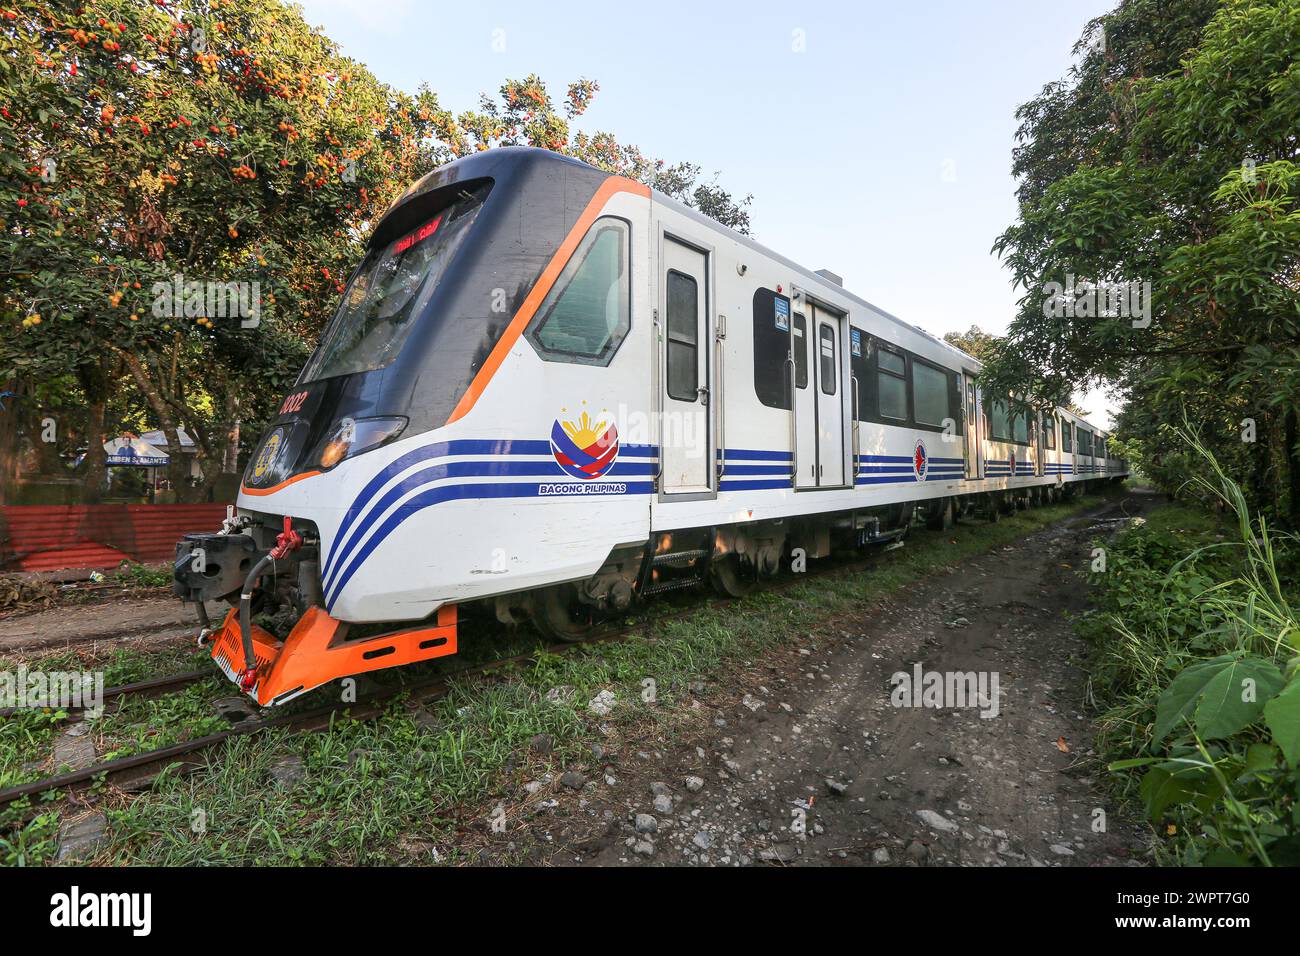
550,393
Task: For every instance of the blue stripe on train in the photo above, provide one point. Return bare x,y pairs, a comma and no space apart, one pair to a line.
458,469
449,449
433,496
874,469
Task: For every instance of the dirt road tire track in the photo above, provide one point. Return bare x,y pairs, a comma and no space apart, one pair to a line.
910,786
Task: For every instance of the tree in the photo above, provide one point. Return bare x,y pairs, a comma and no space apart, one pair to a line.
1166,166
975,342
526,116
164,149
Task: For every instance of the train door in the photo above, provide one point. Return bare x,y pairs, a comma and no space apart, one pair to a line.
830,398
816,335
804,403
685,438
973,430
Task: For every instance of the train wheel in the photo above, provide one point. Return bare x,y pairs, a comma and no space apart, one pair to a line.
558,614
993,508
730,577
939,514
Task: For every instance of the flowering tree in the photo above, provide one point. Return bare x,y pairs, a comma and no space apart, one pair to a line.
149,151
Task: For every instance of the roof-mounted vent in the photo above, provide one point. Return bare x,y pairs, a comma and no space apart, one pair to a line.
831,277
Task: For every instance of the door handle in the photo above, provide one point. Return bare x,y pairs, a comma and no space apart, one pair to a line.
703,393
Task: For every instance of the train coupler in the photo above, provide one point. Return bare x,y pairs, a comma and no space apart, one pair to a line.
318,651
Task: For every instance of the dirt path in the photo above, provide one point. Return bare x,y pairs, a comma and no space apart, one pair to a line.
134,618
817,742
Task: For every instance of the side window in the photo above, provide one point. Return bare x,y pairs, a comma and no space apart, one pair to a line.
683,337
586,315
999,420
931,391
772,348
1049,432
800,345
1066,443
1020,427
891,385
827,371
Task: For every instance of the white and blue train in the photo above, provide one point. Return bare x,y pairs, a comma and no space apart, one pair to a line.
552,392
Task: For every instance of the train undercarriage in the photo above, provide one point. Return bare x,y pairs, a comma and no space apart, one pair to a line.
277,641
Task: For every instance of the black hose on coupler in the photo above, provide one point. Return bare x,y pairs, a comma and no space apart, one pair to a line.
246,613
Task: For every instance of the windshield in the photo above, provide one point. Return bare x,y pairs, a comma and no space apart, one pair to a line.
389,292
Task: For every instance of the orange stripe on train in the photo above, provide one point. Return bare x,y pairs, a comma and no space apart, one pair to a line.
609,188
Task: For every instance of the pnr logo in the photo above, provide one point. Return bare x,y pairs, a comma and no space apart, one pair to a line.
584,449
266,457
920,460
1012,462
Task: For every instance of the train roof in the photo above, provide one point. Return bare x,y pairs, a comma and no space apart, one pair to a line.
493,163
506,162
808,274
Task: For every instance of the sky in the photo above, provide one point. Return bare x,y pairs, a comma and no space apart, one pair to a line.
875,137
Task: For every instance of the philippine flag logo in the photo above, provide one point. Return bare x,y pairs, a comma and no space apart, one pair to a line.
584,449
920,460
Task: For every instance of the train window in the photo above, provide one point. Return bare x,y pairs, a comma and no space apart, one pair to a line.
827,371
585,316
800,345
683,323
891,385
931,394
1020,427
1067,444
999,420
1085,441
772,348
1049,432
390,291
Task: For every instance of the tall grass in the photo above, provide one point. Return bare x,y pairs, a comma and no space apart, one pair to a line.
1195,672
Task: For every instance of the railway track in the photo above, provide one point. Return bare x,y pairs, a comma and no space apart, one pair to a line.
136,771
144,688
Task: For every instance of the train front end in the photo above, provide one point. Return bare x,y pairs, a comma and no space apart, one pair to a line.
314,592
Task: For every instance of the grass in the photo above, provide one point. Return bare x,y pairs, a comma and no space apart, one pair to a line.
391,790
1195,635
27,737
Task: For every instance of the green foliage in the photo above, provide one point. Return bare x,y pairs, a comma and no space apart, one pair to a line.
1168,155
134,574
1196,665
1208,695
974,342
526,115
31,843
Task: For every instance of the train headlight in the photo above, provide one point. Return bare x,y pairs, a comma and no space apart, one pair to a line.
354,435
